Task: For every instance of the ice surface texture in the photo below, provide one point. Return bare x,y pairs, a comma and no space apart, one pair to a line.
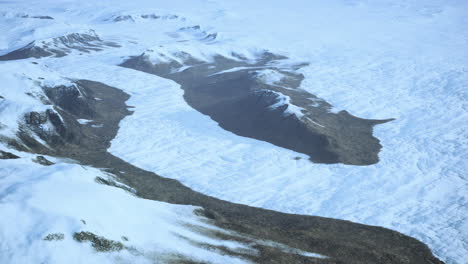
405,60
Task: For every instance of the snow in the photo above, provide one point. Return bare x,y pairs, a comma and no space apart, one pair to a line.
312,121
270,76
235,69
291,108
37,200
376,59
84,121
21,91
65,199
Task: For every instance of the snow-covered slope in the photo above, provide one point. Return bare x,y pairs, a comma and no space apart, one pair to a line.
72,211
93,223
376,59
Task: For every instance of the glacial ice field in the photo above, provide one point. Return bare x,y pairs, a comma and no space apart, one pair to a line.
406,60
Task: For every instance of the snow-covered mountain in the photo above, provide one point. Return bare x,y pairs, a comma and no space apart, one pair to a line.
59,214
353,110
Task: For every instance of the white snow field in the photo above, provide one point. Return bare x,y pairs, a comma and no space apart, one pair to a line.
154,231
404,59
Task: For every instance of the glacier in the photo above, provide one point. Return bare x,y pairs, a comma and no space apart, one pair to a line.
375,59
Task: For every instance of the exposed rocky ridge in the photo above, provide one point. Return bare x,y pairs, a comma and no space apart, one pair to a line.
149,16
7,155
71,103
231,93
341,241
43,161
38,17
195,32
60,46
24,15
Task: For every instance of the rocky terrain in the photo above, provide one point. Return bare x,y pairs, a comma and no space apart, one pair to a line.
146,137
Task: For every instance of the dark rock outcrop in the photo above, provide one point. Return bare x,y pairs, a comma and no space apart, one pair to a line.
60,46
248,107
7,155
43,161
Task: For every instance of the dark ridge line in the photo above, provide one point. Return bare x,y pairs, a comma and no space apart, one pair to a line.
59,46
